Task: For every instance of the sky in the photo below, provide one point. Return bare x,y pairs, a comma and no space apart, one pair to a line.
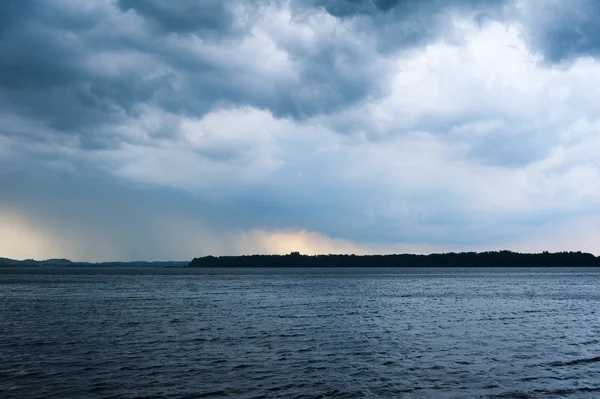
170,129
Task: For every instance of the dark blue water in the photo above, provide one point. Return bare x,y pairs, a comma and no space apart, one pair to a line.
410,333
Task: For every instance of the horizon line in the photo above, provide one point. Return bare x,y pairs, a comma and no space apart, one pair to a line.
293,253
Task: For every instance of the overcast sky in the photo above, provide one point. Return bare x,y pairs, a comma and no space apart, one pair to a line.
168,129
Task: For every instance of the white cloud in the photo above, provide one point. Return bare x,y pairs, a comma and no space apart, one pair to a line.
224,148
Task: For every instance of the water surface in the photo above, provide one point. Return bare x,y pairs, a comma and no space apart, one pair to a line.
300,333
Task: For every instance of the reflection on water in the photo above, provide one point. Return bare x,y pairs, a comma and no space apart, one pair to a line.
300,333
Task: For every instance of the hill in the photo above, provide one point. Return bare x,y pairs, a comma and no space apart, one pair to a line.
6,262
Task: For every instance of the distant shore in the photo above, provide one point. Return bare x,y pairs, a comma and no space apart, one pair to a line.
463,259
295,259
6,262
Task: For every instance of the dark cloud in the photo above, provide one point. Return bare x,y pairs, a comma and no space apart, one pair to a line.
36,53
52,67
564,30
186,16
11,13
43,73
403,8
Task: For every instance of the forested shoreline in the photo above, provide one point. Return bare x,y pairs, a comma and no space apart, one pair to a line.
452,259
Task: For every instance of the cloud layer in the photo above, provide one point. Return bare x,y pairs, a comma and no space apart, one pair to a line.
172,129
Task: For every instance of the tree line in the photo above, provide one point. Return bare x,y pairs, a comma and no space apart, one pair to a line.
452,259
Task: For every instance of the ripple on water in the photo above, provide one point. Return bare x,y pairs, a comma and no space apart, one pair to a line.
301,334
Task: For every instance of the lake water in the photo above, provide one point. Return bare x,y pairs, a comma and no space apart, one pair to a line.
300,333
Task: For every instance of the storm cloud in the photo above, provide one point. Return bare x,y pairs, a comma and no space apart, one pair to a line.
171,129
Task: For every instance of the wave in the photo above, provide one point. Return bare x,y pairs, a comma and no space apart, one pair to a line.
575,362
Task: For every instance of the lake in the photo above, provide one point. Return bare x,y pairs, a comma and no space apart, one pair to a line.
300,333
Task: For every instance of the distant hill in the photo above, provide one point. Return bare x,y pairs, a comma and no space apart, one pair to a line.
5,262
452,259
